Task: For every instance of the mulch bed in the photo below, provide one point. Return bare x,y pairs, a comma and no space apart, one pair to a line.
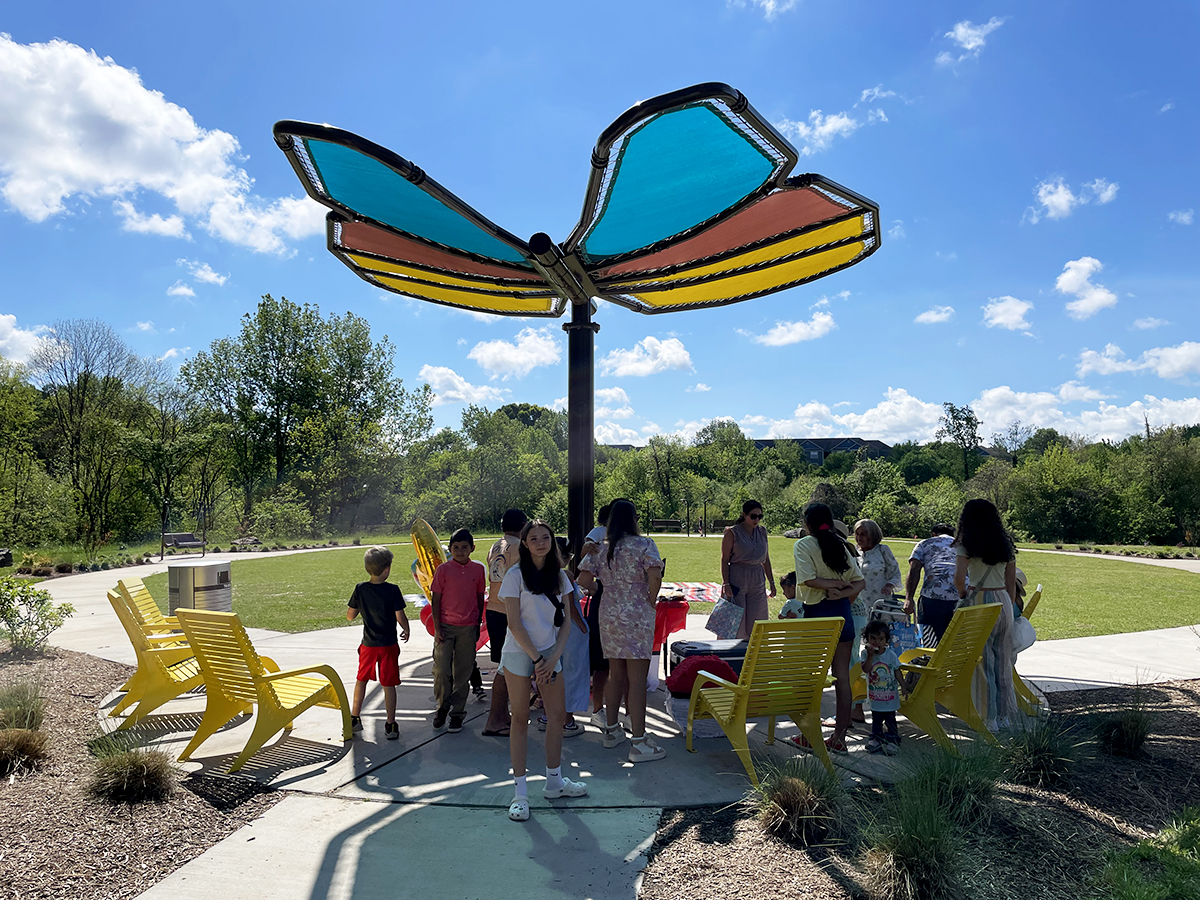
1039,844
61,843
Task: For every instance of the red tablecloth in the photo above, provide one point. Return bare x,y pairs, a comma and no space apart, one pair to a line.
669,616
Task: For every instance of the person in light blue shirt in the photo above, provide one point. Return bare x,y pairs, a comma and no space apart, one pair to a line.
939,597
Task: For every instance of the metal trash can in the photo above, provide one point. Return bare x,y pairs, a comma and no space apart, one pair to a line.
200,585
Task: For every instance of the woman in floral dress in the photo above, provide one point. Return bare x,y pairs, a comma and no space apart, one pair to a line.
630,569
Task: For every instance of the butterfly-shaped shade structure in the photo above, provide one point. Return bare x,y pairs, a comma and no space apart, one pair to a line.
689,205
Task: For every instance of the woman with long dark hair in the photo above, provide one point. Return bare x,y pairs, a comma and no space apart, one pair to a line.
534,593
828,578
630,569
746,567
987,558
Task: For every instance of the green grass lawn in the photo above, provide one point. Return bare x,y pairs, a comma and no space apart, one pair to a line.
1081,597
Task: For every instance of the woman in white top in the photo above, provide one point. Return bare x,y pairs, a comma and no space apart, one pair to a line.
534,592
986,555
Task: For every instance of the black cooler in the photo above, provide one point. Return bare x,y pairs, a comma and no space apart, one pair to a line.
732,652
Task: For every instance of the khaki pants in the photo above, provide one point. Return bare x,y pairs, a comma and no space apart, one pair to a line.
453,662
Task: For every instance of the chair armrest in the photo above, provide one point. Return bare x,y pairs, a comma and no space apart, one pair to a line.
703,677
908,667
176,638
269,664
328,671
171,620
910,655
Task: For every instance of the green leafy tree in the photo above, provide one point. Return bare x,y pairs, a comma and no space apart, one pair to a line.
961,426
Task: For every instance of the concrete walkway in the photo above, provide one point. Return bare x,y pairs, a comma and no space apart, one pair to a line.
425,816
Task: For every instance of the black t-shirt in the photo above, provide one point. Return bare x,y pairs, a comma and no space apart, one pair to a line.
377,604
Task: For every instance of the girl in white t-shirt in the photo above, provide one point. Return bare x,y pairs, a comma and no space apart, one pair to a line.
534,592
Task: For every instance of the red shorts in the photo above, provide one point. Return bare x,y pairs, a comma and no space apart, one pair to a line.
387,659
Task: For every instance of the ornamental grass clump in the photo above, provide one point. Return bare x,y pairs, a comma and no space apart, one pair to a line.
800,802
914,845
1124,731
22,706
133,776
1042,755
21,750
964,784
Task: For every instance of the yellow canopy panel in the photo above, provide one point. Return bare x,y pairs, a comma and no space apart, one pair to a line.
512,302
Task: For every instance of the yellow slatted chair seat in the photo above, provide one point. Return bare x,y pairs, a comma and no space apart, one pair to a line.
946,679
239,681
1027,699
784,674
165,667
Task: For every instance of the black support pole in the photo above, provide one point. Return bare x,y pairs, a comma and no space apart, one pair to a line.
581,382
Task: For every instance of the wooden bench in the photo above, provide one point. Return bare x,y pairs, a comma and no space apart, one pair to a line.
184,540
666,524
722,524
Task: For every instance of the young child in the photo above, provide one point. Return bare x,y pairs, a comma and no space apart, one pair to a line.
882,668
382,608
458,590
793,609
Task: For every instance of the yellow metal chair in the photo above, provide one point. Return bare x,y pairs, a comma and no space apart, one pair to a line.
238,682
946,679
144,609
166,667
1026,698
785,671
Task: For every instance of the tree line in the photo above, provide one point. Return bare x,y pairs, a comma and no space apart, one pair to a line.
296,427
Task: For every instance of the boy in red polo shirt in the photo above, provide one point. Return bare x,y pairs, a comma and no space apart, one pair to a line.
458,591
382,608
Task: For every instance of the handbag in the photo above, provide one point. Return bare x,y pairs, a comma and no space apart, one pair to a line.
905,636
1023,635
725,619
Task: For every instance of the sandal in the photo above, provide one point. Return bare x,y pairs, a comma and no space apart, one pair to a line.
496,732
836,745
518,810
800,742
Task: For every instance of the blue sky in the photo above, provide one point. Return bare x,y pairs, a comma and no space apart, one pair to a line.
1035,164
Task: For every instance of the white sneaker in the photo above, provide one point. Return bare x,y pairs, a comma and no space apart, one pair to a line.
569,789
599,718
613,736
645,749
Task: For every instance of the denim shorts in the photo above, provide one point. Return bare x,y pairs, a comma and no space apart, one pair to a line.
517,662
830,609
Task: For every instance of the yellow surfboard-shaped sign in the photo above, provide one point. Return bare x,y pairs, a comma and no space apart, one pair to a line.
429,555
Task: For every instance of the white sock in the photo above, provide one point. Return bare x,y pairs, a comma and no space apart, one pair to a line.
554,779
522,790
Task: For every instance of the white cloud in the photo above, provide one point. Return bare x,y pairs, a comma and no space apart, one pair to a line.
699,388
138,223
203,272
896,232
174,353
898,417
450,387
605,412
1149,322
770,8
17,343
1057,201
560,404
534,347
946,257
784,333
1006,312
1089,298
612,395
77,126
146,326
648,356
934,315
819,131
1166,107
1102,190
970,37
876,115
876,93
1182,216
1166,362
180,289
611,433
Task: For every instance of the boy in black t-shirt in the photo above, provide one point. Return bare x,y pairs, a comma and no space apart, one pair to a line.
382,607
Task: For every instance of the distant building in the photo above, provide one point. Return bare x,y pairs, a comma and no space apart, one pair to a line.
816,449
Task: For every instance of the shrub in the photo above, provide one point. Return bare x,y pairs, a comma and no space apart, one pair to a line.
914,846
357,542
22,706
64,568
21,750
1122,733
1042,755
133,776
963,784
800,801
43,572
29,615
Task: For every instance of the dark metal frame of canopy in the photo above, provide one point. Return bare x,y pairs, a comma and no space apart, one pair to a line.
568,273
